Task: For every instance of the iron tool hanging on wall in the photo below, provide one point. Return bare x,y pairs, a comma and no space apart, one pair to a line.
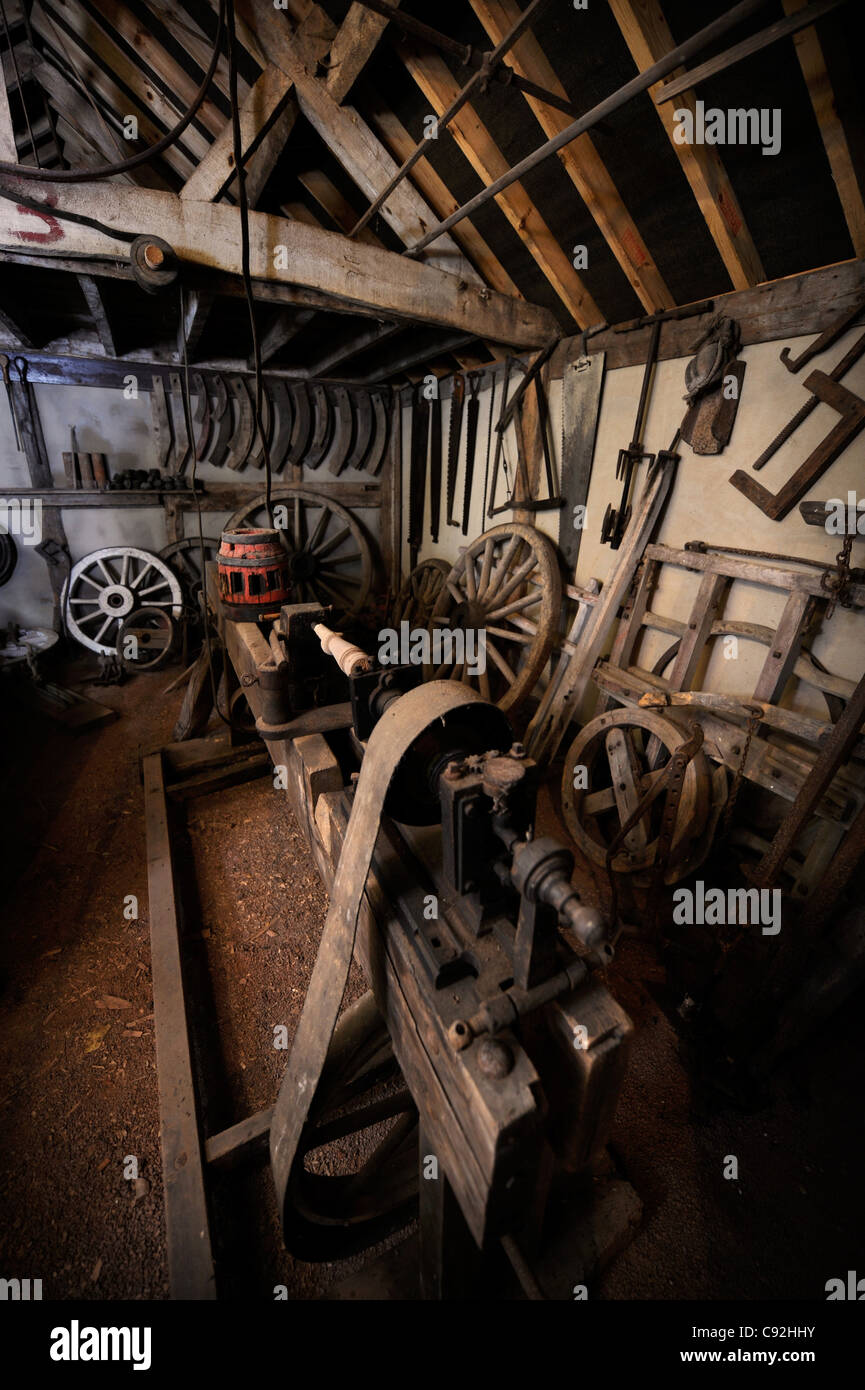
616,519
454,434
472,414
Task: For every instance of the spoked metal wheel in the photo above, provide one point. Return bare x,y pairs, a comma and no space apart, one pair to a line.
330,558
609,762
107,585
184,558
507,585
355,1178
419,594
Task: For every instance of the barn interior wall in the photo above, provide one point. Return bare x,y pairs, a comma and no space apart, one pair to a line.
702,504
107,421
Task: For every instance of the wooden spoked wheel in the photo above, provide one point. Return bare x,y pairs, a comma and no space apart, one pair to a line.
355,1177
330,558
419,594
610,757
507,585
184,557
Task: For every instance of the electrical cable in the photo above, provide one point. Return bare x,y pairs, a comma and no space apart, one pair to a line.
244,244
105,171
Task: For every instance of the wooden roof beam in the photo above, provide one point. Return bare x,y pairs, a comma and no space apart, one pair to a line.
350,139
648,37
812,61
440,88
354,45
580,160
368,280
261,115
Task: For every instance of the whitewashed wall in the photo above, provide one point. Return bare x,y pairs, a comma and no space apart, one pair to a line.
702,504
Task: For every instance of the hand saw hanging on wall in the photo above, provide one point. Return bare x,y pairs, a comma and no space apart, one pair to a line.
454,434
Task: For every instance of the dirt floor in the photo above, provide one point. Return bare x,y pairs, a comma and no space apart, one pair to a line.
78,1099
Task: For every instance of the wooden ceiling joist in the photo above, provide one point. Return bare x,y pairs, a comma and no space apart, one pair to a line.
580,160
371,281
400,144
809,51
352,142
354,45
440,88
648,37
97,77
260,114
96,304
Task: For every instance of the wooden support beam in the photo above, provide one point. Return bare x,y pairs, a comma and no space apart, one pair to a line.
98,76
8,151
62,24
370,337
812,61
352,49
364,277
580,160
259,113
350,139
440,88
92,291
198,306
338,208
285,326
648,37
400,144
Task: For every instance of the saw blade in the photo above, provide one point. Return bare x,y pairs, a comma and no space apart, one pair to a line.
472,415
454,433
435,467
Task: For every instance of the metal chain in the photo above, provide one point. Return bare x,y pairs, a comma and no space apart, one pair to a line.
836,582
753,723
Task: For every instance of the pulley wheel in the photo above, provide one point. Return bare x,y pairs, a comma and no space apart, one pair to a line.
355,1176
609,755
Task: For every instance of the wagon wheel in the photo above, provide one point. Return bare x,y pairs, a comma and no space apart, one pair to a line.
104,587
419,594
612,750
355,1178
329,556
184,558
506,584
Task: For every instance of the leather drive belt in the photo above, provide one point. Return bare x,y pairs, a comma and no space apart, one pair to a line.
400,725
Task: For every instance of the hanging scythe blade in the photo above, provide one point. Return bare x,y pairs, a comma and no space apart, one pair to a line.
256,457
221,413
323,426
181,450
302,425
201,416
380,435
364,426
245,430
343,430
283,414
